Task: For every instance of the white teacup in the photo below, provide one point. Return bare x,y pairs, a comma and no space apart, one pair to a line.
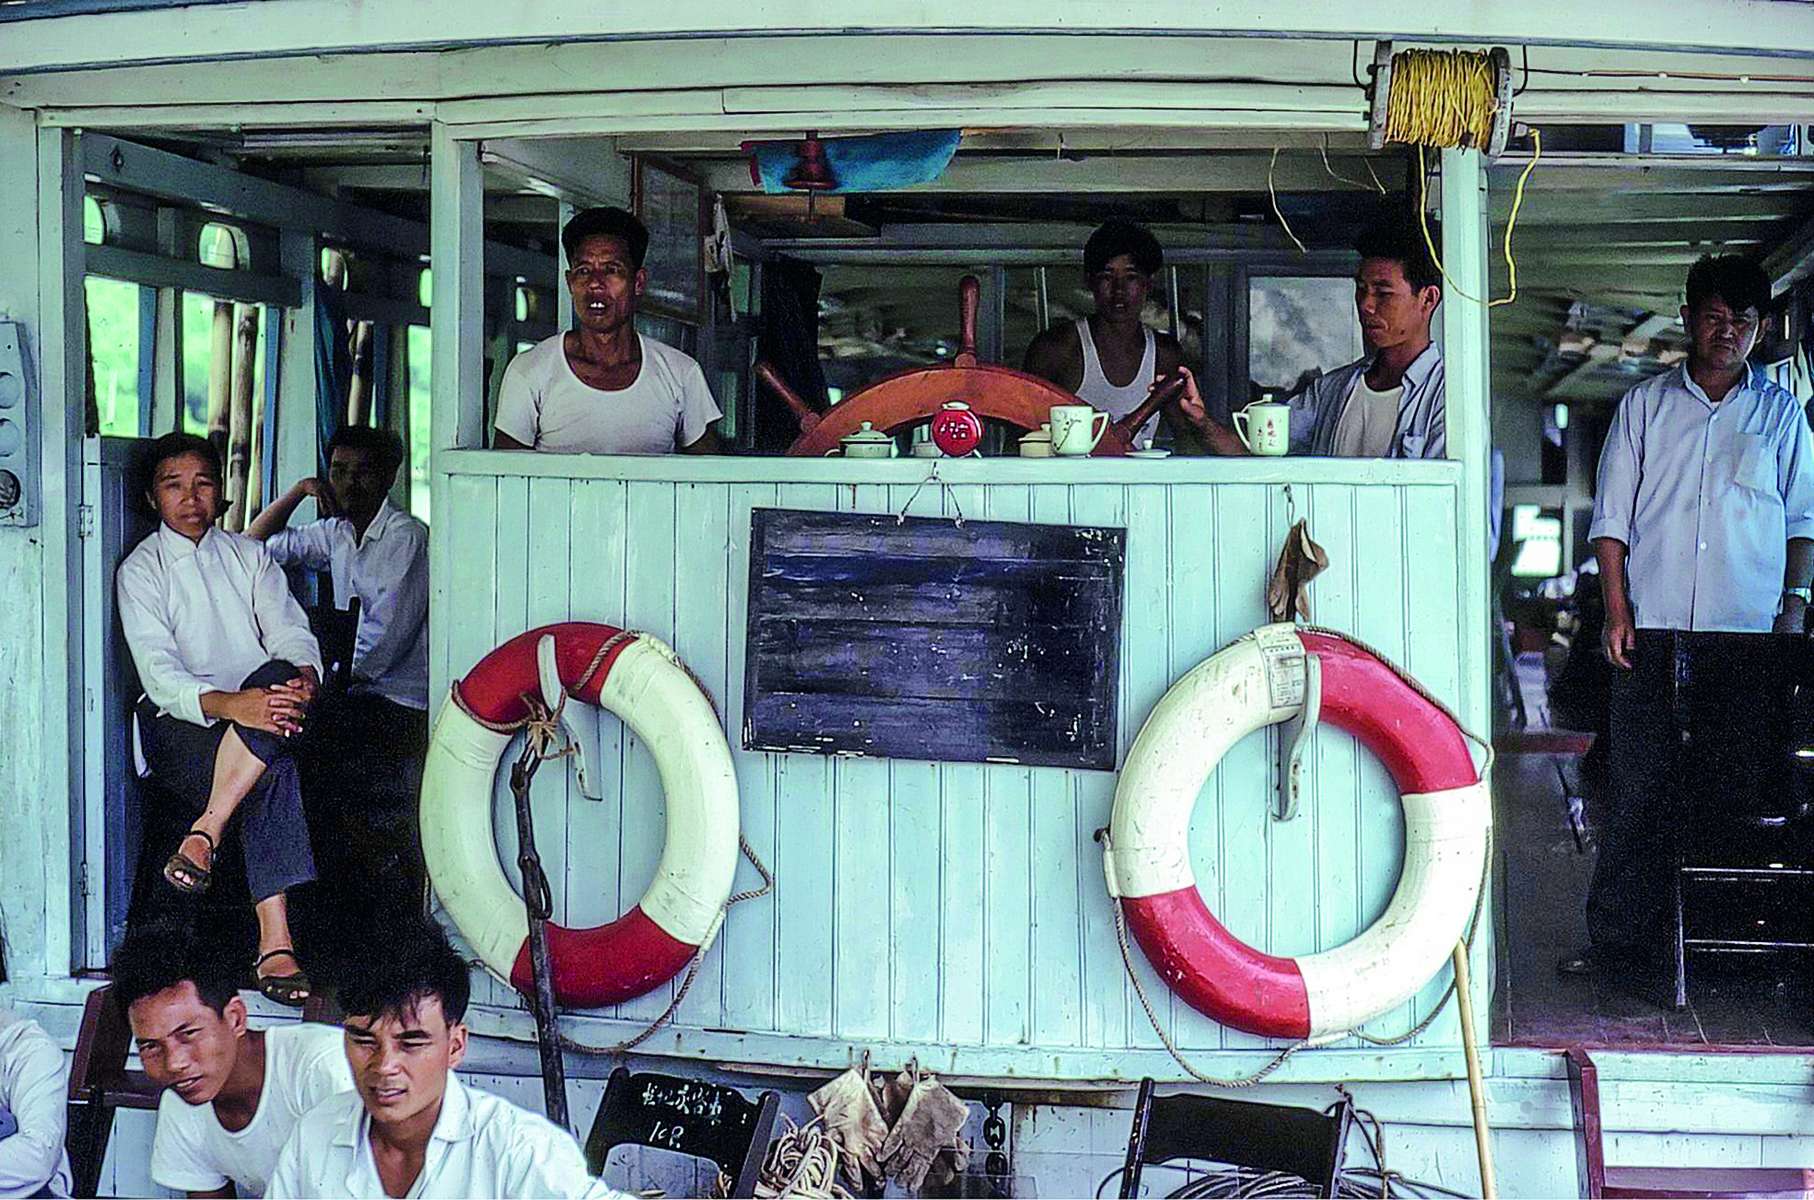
1265,428
1076,428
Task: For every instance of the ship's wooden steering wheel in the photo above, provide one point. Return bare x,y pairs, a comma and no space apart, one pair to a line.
913,396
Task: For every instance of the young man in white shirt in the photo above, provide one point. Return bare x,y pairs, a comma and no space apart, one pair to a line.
229,669
375,551
1389,403
34,1087
601,387
412,1128
234,1093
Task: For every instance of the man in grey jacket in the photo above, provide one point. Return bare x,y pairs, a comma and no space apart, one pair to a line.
1389,404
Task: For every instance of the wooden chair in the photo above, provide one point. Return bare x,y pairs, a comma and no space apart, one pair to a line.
1694,1183
1236,1133
99,1081
688,1116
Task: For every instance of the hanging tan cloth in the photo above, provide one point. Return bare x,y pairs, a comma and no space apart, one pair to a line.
1299,562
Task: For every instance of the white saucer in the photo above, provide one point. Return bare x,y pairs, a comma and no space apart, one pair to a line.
1149,453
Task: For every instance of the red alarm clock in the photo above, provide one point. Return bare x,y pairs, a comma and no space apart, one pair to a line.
956,430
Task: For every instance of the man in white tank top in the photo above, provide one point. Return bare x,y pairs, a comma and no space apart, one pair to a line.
602,387
1110,359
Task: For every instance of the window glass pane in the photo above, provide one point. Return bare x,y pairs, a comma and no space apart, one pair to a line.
425,288
94,225
198,357
1296,325
220,246
420,360
113,347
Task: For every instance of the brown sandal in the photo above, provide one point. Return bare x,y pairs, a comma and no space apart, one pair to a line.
199,876
291,989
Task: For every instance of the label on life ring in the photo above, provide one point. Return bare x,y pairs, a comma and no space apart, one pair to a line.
1282,653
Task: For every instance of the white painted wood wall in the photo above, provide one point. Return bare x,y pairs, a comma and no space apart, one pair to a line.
953,908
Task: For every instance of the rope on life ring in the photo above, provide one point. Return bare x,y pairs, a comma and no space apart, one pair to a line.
643,681
1260,680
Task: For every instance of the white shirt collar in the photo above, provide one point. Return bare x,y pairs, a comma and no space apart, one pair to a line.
454,1124
172,544
388,514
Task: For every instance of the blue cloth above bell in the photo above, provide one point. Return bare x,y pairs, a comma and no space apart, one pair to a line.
876,162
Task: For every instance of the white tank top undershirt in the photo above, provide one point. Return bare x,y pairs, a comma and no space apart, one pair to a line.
1118,402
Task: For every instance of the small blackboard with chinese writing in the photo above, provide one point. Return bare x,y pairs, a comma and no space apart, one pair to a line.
687,1116
988,641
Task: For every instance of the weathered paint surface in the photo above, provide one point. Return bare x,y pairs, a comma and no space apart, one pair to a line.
959,905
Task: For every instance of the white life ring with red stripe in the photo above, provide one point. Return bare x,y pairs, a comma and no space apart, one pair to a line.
1257,681
643,682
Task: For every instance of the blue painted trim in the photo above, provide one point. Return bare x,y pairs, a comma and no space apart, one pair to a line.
147,357
32,10
273,318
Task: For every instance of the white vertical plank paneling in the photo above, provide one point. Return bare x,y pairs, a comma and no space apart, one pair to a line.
702,593
649,571
1244,554
862,949
1009,977
1379,620
1192,596
548,601
750,953
1105,988
804,866
596,593
1335,754
1145,674
1434,654
961,903
963,895
1062,875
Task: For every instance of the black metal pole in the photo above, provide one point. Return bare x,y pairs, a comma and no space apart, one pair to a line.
538,899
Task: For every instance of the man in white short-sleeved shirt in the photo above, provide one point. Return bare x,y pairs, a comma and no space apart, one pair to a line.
411,1128
34,1085
234,1094
602,387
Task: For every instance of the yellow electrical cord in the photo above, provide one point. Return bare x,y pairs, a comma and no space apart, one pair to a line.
1441,98
1448,98
1511,222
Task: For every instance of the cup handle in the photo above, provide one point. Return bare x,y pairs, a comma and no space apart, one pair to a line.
1099,425
832,451
1242,421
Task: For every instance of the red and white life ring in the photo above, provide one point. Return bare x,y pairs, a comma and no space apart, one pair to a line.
643,682
1259,680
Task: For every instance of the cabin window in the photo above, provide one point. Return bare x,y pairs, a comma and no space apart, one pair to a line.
120,329
1298,325
222,246
94,222
224,394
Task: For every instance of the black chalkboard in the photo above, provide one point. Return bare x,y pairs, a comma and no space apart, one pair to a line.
687,1116
988,641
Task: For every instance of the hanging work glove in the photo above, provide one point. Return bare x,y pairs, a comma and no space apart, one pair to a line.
930,1122
848,1108
896,1090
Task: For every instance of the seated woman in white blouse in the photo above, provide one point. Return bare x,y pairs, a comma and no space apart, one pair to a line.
229,667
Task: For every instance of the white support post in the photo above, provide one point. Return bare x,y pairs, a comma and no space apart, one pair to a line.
298,433
63,374
1465,242
456,221
24,845
563,299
